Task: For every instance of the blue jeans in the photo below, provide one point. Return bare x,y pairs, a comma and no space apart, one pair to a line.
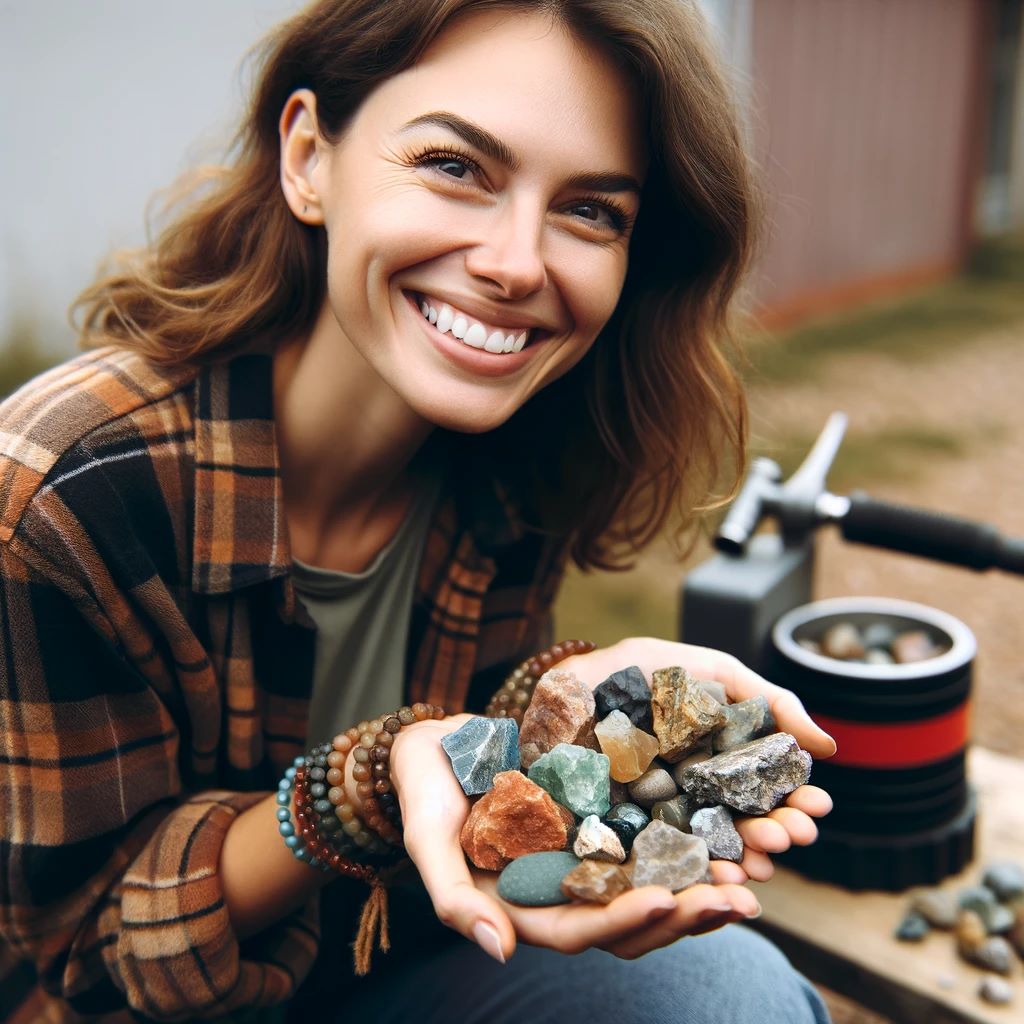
730,976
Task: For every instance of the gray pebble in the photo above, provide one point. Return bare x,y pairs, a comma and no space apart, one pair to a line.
675,812
878,634
1005,879
715,826
695,758
842,641
995,990
913,928
745,721
655,784
536,879
937,907
994,954
876,656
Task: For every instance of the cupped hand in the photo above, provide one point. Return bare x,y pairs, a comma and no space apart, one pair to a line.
789,825
434,809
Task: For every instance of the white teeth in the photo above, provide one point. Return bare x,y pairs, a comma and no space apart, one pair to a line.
424,308
459,327
509,343
445,318
520,342
495,343
432,315
476,336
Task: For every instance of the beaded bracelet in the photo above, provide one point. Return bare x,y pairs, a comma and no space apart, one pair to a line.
515,694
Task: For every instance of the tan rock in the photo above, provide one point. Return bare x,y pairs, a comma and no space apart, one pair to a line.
514,818
561,711
683,712
630,750
596,881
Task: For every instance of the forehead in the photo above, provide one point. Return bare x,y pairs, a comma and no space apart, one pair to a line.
526,78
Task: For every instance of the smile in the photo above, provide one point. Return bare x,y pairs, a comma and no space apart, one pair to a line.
463,327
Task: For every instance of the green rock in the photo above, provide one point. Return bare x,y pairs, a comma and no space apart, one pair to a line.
576,777
536,879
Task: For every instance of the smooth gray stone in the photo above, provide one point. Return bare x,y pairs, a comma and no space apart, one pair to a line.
994,954
704,754
715,826
753,778
1005,879
995,990
675,812
481,749
936,906
878,634
626,691
536,879
655,784
913,928
982,901
745,721
662,855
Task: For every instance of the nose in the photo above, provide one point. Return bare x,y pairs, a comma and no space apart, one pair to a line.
511,257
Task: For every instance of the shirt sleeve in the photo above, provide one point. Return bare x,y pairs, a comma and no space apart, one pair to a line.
109,884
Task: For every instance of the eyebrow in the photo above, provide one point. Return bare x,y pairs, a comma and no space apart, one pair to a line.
489,144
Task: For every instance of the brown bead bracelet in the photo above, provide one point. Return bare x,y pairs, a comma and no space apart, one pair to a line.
515,694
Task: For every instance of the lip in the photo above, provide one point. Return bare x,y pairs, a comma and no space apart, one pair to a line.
475,360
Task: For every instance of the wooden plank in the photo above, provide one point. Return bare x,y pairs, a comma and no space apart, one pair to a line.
843,939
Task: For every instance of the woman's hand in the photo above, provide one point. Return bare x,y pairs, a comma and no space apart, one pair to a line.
434,809
781,828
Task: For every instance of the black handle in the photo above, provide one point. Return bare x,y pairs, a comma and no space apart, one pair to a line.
930,534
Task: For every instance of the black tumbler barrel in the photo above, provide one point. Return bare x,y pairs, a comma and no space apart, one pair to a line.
934,535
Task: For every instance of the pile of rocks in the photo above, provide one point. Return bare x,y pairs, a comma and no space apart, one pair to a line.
632,784
878,643
987,922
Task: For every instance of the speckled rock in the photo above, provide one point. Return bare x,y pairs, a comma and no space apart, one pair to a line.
536,879
913,928
937,907
662,855
630,750
513,818
576,777
675,812
753,778
596,841
683,711
745,721
1005,879
995,990
595,881
994,954
561,711
702,753
626,691
715,826
655,784
481,749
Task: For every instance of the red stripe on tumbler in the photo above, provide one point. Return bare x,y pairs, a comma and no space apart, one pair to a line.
897,744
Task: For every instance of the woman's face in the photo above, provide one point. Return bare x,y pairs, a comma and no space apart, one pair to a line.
478,214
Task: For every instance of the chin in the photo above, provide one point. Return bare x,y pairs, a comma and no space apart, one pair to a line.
462,419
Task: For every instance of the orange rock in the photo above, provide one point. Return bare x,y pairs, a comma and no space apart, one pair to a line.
561,711
630,750
514,818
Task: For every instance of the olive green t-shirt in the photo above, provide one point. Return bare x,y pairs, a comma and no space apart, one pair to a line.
362,622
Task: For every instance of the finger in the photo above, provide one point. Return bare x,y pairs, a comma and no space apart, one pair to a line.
700,909
725,872
757,865
812,800
798,826
765,835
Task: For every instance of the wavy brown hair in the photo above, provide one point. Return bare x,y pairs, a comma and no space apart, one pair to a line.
647,421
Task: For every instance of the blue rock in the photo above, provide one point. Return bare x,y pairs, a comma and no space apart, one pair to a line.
913,928
576,777
536,879
1005,879
626,691
481,749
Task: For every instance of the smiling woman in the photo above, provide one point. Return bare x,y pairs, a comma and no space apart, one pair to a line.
453,315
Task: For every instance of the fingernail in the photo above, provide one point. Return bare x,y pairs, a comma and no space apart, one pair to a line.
487,938
756,913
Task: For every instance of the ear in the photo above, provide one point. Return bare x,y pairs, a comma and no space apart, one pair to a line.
301,153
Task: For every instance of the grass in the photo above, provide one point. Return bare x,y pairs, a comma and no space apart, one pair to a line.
21,355
919,326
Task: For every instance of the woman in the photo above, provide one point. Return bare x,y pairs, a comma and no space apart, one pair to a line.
450,318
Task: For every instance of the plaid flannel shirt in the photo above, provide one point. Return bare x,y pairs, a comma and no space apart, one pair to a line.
155,672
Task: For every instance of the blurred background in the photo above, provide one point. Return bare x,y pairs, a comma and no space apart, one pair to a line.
890,138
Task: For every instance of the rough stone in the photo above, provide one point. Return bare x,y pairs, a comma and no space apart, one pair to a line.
995,990
936,906
1005,879
683,712
715,826
655,784
753,778
596,882
715,689
662,855
694,757
536,879
625,830
748,720
633,813
630,750
913,928
481,749
576,777
515,817
675,812
561,711
842,641
626,691
596,841
914,645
